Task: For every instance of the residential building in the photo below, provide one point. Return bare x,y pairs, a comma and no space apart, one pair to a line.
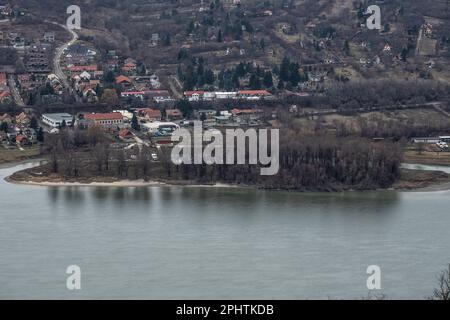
22,140
253,94
129,67
3,80
194,95
80,69
5,97
125,82
5,118
125,134
174,114
23,119
149,114
49,37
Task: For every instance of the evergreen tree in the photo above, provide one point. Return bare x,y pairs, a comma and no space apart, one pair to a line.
255,83
294,76
109,77
220,36
210,78
285,69
404,54
4,127
240,70
40,135
34,123
346,47
185,107
190,27
262,44
268,79
235,82
167,40
183,54
135,123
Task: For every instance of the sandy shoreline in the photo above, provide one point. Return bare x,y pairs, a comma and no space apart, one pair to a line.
122,183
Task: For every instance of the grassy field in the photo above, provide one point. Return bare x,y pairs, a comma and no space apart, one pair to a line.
427,158
12,155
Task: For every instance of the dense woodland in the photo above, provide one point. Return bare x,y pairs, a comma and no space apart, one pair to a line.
319,163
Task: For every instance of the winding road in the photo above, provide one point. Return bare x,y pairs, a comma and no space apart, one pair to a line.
59,52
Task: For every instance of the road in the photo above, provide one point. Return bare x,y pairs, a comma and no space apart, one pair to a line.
57,69
59,52
176,87
14,91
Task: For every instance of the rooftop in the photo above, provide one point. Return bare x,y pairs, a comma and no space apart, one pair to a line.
104,116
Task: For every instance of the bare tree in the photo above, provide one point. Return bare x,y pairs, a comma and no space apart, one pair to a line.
54,159
144,162
443,290
166,161
122,164
100,154
420,148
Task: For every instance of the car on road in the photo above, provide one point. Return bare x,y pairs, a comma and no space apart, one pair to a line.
442,145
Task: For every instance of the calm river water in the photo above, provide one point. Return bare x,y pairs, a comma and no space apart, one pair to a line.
207,243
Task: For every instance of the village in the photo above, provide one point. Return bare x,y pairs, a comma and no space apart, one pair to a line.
50,83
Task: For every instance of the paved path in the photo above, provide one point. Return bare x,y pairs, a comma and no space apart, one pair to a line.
14,91
176,87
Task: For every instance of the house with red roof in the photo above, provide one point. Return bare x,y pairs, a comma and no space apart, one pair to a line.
23,119
149,114
124,81
3,79
125,134
80,69
253,94
5,97
194,95
89,93
112,119
174,114
22,140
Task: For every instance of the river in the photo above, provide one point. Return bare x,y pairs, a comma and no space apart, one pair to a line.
218,243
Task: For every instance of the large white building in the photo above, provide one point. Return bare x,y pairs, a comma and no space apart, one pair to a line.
55,120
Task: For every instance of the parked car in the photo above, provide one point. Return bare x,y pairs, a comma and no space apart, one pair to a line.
442,145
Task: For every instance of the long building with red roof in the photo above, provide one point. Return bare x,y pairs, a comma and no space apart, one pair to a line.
105,119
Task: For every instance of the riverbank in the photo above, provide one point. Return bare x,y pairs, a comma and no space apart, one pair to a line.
422,180
12,156
33,176
411,180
